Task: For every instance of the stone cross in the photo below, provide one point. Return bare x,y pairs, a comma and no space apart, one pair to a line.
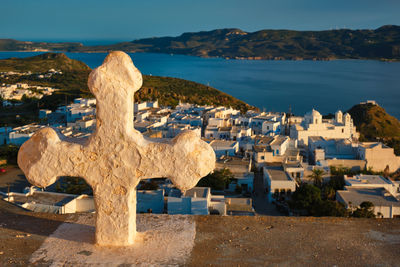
116,156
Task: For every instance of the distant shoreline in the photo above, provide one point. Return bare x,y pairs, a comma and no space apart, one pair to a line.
220,57
380,44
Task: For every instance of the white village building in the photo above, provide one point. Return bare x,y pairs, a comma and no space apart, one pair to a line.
313,125
380,191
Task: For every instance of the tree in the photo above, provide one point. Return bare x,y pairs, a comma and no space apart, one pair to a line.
329,192
73,185
386,172
26,99
218,180
337,182
329,208
366,210
9,152
340,171
305,197
151,185
368,170
308,197
317,177
238,189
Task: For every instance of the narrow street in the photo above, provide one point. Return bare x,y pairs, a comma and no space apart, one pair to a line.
260,199
14,178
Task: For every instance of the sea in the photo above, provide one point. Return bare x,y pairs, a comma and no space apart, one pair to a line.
280,86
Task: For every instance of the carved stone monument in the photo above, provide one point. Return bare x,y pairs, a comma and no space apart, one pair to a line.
116,157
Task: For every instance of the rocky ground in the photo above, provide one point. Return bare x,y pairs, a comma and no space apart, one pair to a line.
236,241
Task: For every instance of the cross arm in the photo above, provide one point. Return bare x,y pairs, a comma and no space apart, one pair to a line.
185,160
45,156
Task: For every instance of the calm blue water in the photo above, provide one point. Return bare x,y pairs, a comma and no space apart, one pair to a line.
276,85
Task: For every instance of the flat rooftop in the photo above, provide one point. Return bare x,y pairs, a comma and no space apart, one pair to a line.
277,173
378,196
198,192
223,143
43,198
372,145
363,180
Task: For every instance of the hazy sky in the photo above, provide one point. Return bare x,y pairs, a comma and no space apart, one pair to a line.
130,19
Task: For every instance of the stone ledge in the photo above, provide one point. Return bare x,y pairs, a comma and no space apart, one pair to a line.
223,241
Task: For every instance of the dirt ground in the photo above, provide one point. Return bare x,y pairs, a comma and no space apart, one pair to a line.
237,241
294,241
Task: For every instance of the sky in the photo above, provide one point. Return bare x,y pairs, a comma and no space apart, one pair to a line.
126,20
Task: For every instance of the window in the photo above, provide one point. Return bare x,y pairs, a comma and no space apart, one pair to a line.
342,130
262,157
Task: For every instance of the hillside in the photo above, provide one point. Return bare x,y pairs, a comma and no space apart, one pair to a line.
73,83
42,63
374,123
382,43
169,91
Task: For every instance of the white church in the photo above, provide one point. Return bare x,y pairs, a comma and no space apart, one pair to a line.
313,125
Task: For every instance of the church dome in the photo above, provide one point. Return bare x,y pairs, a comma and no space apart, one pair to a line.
313,113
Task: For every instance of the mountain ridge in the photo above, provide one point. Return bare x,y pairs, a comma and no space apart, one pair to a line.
382,43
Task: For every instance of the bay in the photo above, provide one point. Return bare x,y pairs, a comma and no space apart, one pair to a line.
275,85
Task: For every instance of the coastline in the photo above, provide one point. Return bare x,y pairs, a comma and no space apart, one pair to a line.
219,57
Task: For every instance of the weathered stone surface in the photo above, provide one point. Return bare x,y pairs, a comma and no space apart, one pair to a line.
164,241
116,157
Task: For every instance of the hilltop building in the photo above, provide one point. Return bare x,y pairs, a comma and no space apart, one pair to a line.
313,125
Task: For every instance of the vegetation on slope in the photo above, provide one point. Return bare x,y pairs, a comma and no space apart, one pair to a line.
382,43
375,124
42,63
169,91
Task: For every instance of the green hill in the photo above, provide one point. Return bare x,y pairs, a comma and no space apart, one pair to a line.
42,63
73,83
382,43
169,91
375,124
